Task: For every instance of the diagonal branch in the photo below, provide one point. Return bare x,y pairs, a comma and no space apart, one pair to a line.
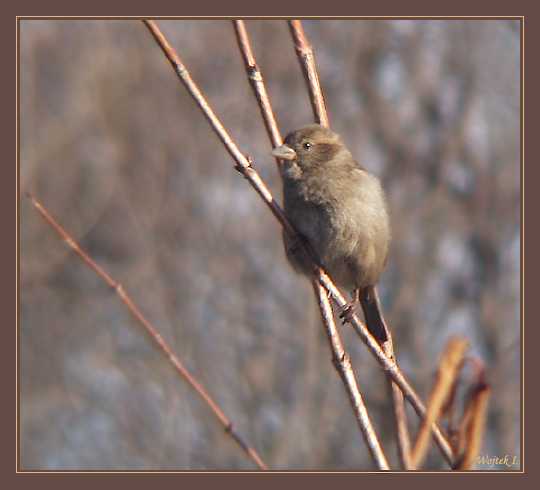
307,61
156,336
342,364
243,164
391,368
257,83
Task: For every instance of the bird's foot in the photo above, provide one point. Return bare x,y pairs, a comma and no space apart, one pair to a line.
348,311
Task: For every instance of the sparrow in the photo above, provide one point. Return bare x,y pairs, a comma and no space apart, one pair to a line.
340,213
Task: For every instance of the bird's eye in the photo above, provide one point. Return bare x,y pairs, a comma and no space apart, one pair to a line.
306,145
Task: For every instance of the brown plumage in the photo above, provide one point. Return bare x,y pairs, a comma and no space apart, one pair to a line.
340,210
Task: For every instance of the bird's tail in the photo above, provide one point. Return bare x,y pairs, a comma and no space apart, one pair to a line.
371,307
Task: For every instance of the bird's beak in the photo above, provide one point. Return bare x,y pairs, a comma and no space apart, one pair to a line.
284,152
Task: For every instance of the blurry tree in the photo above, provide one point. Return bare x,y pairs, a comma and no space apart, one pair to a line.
112,144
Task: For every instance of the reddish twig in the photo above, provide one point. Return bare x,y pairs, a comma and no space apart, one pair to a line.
156,336
256,81
243,164
342,364
392,369
400,418
307,62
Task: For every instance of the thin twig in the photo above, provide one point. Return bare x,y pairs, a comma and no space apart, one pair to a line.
257,84
304,52
396,396
400,422
194,91
178,366
400,419
391,368
243,165
342,364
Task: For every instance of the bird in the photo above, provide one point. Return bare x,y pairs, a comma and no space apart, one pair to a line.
340,212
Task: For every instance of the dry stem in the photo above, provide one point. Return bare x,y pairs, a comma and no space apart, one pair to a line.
343,366
178,366
307,62
448,370
257,84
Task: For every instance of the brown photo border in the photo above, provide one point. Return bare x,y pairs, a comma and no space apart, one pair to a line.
14,479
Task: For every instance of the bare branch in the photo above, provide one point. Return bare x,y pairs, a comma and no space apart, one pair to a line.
156,336
391,368
257,84
342,364
243,164
398,409
307,62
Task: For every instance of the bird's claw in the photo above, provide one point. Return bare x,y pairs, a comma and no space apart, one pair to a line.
347,314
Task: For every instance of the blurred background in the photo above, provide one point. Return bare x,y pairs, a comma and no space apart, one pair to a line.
113,146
